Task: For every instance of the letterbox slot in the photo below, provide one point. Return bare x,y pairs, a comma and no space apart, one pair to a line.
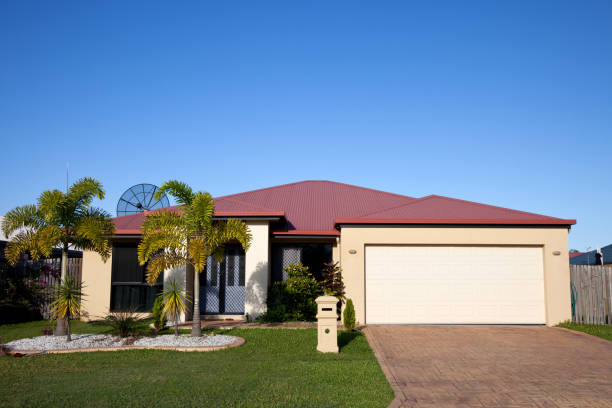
327,309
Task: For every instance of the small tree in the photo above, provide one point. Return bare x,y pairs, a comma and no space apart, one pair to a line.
174,298
332,283
349,315
67,303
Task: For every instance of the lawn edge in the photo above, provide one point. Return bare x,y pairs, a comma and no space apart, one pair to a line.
583,334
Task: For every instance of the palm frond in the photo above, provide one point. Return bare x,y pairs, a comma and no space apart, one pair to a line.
50,205
177,189
199,214
48,237
83,191
164,220
161,261
39,244
219,253
234,230
24,216
94,233
198,252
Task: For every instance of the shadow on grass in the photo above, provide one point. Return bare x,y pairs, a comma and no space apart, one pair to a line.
345,337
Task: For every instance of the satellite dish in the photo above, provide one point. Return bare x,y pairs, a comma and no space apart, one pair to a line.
139,198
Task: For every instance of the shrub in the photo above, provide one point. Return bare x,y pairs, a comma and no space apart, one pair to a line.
274,315
349,315
332,283
302,290
125,323
159,317
294,299
22,294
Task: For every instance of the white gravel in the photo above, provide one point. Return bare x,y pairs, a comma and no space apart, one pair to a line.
105,340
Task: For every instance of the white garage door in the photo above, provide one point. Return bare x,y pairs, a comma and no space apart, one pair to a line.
454,284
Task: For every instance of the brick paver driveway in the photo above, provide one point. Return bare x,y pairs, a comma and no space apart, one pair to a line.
493,366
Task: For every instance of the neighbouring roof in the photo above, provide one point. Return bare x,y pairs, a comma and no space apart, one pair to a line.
599,256
319,207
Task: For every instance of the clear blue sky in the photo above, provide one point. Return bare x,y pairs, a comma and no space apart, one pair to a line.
503,102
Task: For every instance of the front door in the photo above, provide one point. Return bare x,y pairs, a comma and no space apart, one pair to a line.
222,289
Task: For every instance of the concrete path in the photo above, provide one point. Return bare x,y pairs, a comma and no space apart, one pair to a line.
493,366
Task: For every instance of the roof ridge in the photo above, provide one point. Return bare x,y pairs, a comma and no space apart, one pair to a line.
389,208
320,181
464,201
414,201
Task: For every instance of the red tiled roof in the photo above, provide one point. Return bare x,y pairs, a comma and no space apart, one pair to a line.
317,207
573,254
313,205
435,209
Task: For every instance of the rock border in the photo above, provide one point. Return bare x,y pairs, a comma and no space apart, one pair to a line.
237,343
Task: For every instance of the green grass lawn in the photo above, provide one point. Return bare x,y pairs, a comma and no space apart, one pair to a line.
605,332
276,367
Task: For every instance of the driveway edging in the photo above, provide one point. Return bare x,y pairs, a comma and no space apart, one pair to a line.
400,397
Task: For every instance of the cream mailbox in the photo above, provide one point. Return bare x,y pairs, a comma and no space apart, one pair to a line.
327,324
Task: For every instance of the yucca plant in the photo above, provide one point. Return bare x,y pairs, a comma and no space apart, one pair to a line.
67,303
125,323
187,236
60,220
174,300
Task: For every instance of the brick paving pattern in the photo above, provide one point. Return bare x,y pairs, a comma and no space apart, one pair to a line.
493,366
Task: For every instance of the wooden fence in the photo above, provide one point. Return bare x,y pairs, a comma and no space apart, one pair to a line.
591,294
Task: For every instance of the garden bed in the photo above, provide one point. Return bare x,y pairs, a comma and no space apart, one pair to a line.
106,342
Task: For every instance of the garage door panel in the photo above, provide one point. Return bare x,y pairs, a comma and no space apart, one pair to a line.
446,284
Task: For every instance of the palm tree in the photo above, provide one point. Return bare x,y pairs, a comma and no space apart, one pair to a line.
174,302
67,303
187,236
60,220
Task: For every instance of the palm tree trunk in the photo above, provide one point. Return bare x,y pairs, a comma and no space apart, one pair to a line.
60,328
176,317
68,337
196,329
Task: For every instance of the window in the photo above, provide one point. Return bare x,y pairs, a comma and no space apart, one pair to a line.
129,288
311,255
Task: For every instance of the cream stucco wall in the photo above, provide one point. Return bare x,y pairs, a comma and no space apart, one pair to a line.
556,267
96,276
257,270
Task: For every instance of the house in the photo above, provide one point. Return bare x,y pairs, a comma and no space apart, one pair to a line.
600,256
405,260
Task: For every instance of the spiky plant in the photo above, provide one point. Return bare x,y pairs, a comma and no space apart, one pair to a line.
187,236
60,220
67,303
174,299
